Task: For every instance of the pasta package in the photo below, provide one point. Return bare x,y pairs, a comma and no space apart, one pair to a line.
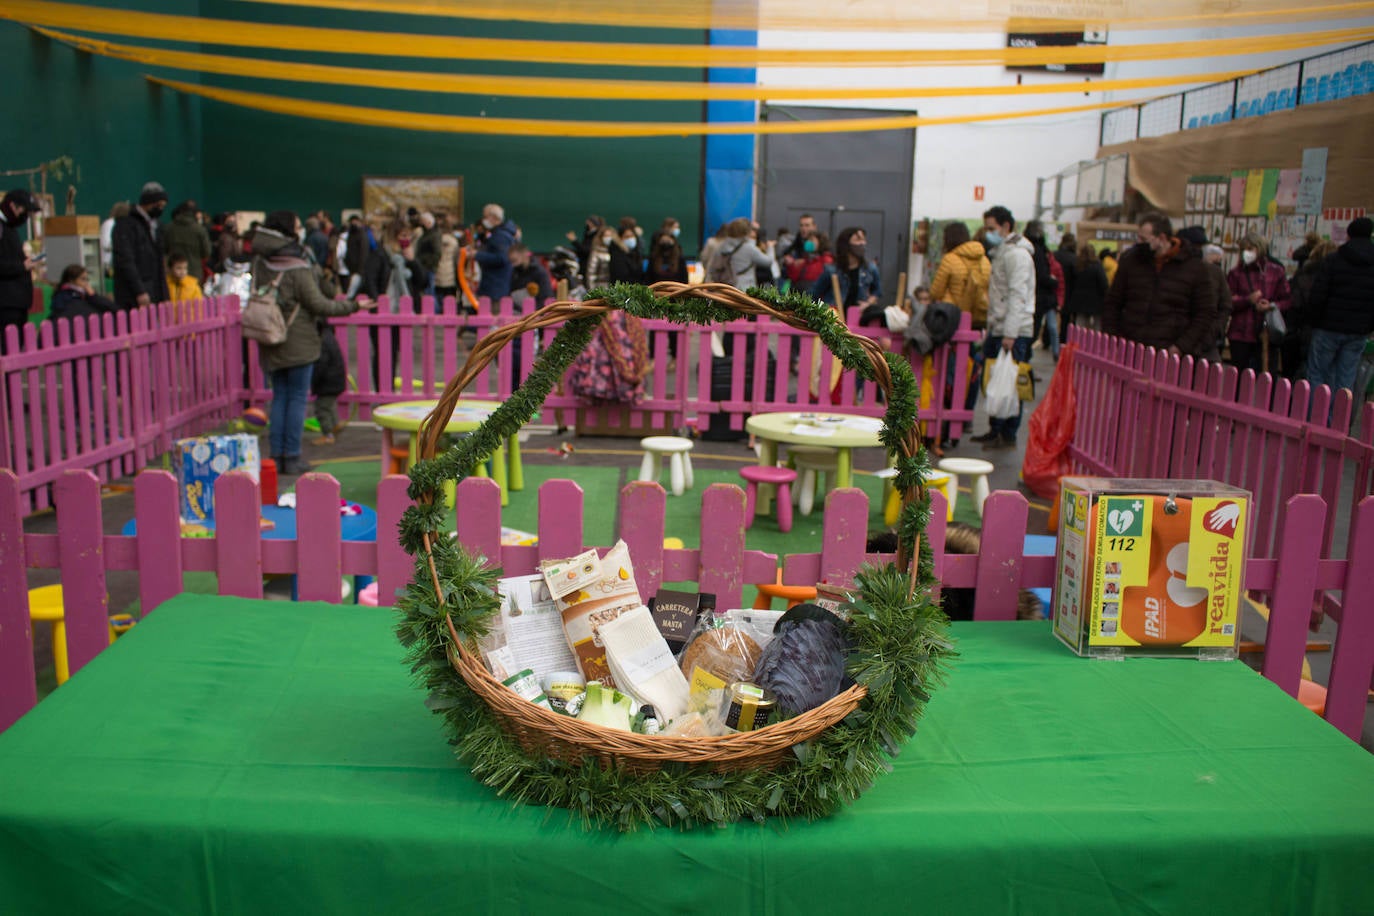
590,607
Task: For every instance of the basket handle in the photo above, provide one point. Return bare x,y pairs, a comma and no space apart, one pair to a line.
481,355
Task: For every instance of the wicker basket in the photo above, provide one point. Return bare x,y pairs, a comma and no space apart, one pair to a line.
543,733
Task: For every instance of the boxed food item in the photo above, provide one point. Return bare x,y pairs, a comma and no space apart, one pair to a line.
1150,567
199,462
675,614
590,593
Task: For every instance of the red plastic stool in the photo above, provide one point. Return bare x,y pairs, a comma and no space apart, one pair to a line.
782,478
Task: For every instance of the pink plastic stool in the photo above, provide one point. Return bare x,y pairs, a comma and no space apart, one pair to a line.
782,478
368,595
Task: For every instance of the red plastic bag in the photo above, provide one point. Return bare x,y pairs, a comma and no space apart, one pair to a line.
1051,432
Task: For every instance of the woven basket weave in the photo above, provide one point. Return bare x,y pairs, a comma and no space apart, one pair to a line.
542,733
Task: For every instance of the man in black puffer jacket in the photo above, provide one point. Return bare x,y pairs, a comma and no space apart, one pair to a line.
1162,295
140,276
1342,309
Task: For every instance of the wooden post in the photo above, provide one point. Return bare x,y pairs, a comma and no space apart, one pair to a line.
835,367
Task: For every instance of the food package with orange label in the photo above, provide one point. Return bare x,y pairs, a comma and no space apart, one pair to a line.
592,604
1150,567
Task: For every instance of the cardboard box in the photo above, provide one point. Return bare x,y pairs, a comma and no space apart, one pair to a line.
72,225
199,462
1150,567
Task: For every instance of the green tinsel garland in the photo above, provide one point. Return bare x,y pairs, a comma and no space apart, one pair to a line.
900,641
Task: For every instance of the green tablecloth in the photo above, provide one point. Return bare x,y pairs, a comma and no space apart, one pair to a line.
232,756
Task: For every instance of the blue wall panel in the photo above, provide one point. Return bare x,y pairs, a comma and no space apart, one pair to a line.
729,160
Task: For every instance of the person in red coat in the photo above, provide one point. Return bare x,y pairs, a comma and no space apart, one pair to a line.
1258,285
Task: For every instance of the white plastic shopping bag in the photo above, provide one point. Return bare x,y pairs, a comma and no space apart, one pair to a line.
1003,399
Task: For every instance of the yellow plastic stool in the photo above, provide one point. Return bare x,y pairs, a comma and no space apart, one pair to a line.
45,606
892,504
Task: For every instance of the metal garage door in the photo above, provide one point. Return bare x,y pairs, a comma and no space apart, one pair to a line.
842,179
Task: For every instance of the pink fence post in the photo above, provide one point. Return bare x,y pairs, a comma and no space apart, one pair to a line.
319,556
478,501
642,509
158,527
81,552
394,565
18,692
1000,556
722,544
935,534
1290,607
238,535
1352,659
844,537
560,520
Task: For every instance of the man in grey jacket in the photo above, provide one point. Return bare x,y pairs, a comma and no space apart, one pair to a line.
1011,310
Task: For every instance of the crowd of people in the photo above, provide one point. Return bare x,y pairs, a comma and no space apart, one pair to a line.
1168,291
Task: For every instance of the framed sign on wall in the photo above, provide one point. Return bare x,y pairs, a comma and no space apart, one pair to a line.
386,197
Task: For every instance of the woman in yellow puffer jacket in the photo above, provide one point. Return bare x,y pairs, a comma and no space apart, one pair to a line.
962,278
963,274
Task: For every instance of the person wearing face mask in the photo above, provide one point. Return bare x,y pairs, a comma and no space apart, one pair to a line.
279,257
858,274
582,245
625,259
803,271
1011,309
16,268
670,227
493,254
139,278
1162,296
1257,286
666,260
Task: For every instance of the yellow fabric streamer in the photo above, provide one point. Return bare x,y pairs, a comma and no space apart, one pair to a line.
822,15
463,124
192,29
553,88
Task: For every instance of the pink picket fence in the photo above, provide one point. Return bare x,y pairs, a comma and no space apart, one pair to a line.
241,557
111,395
1144,413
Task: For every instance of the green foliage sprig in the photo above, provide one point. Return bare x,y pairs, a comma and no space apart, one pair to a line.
899,637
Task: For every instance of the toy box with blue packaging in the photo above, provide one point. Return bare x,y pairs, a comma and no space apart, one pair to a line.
199,462
1150,567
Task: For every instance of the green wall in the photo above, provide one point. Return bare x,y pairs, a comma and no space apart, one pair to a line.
121,131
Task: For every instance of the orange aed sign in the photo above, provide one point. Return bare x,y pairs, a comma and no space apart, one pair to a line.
978,192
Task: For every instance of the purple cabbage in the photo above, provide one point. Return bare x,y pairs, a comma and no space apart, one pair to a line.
804,664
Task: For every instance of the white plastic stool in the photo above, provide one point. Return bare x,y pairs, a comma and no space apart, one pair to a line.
810,462
976,468
677,450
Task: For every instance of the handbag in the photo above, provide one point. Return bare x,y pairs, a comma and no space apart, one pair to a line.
1275,325
262,316
1003,400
